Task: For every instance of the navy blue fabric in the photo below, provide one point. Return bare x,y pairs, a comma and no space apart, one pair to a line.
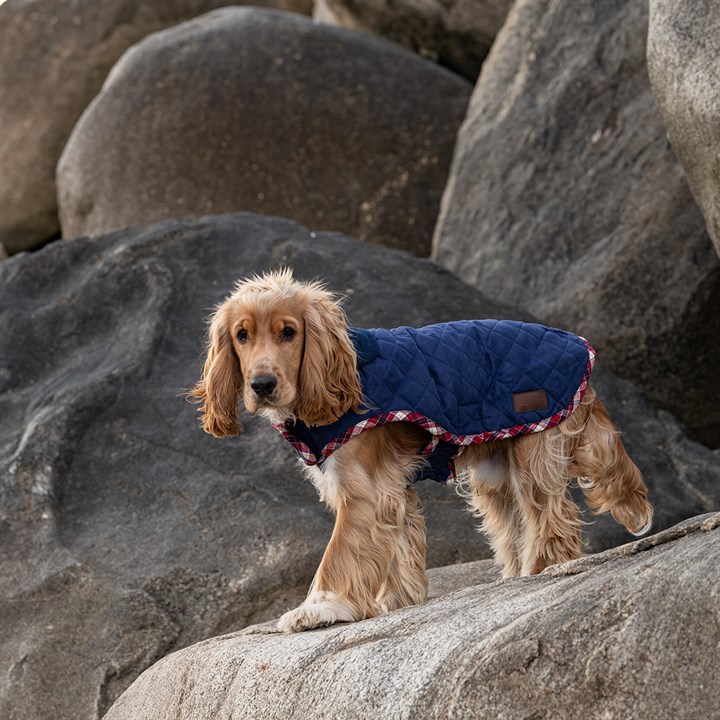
462,376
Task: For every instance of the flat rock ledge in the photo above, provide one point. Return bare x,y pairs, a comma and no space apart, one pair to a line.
633,632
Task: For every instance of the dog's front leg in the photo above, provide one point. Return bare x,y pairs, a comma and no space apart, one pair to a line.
370,506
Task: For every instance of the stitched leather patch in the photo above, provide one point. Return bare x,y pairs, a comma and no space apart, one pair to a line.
529,401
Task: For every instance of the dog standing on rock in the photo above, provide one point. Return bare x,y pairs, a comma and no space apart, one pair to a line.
370,412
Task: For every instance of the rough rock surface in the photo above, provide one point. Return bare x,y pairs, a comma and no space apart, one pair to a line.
454,33
247,109
682,53
565,198
127,532
632,633
54,57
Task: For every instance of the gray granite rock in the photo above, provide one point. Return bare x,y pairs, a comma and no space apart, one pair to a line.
565,199
249,109
126,531
682,53
54,57
631,633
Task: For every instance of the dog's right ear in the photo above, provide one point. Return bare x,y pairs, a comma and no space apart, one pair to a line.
221,382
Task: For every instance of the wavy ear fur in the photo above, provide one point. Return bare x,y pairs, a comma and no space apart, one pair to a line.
221,382
329,383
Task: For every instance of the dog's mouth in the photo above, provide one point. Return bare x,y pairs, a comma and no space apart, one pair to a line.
266,402
253,403
274,411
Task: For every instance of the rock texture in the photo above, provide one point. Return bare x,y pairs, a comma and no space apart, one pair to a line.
454,33
245,109
53,60
127,532
682,53
632,633
565,199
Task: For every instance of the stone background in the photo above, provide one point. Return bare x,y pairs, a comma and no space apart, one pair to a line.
552,160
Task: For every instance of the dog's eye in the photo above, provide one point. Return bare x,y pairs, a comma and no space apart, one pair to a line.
288,333
242,335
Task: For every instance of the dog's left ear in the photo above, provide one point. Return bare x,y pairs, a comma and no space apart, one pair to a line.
329,383
221,382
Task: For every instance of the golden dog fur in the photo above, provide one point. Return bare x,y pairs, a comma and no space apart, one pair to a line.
283,347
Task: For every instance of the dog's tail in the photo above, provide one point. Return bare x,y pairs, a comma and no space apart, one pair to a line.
607,476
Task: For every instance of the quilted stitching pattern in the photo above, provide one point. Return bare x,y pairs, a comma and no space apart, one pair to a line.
457,380
463,374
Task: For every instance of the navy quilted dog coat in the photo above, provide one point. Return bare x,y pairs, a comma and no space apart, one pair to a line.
465,382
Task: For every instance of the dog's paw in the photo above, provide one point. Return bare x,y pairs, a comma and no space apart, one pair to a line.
319,610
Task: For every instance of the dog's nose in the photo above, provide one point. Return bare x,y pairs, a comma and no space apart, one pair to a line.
263,385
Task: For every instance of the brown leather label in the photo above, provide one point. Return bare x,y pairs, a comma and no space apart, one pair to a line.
529,401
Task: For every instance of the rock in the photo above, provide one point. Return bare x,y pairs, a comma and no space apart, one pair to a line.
246,109
126,531
565,199
53,60
682,54
454,33
610,637
449,578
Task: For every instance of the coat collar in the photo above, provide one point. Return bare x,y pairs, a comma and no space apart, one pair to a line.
366,345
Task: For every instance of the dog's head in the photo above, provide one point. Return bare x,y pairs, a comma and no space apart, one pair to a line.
283,346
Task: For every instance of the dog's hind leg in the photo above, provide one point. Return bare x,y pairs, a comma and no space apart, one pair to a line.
539,476
491,498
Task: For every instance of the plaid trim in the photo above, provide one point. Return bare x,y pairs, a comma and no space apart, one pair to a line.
437,431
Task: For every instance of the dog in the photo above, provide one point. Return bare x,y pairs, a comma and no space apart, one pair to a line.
285,348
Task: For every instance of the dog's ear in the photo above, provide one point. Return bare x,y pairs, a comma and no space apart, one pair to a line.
221,381
329,383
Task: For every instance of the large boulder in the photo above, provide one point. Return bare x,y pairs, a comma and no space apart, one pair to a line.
565,199
682,53
632,633
126,531
248,109
454,33
54,57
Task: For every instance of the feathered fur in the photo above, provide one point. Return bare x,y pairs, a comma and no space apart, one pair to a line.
282,346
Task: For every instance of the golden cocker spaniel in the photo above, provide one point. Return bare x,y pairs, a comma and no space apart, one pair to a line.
284,347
